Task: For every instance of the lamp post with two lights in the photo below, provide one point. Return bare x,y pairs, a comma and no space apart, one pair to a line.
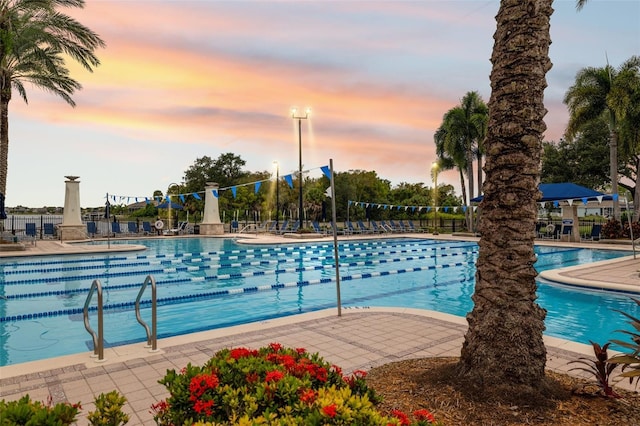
434,172
296,115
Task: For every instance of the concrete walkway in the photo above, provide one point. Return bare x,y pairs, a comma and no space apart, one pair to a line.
359,339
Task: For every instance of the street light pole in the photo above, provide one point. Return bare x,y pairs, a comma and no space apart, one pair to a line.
277,194
294,112
434,171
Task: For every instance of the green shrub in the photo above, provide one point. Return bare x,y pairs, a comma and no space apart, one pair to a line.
109,410
270,386
629,360
35,413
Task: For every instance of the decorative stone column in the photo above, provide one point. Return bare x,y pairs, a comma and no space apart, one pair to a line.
72,227
211,224
570,217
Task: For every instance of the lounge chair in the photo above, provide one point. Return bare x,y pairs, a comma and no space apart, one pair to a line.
273,226
414,228
49,230
115,228
596,230
146,228
378,229
316,227
363,228
92,229
30,231
132,227
283,227
399,227
295,227
351,229
387,226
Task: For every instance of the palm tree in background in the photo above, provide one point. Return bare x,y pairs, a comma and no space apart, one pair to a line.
462,131
449,159
603,92
35,40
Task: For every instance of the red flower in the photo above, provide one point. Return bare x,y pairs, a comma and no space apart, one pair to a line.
404,419
159,407
301,351
205,406
360,374
274,376
252,377
336,369
330,410
275,346
307,396
201,383
238,353
424,415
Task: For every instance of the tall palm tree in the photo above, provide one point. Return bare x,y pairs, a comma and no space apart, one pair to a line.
600,92
450,156
35,38
503,354
464,128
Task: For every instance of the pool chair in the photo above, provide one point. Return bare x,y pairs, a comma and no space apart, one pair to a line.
30,231
596,229
272,227
146,228
398,227
363,228
49,230
387,226
352,229
283,227
316,227
132,227
295,227
414,228
115,229
92,229
378,229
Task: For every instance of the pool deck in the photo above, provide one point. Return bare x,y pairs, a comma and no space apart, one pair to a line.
360,338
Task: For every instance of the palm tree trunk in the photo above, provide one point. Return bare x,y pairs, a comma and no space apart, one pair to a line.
5,96
613,170
471,185
503,355
636,194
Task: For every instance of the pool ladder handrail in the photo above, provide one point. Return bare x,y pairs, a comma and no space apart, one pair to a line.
98,339
152,335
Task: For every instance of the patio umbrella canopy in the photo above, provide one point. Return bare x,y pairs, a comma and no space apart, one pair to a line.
172,205
563,191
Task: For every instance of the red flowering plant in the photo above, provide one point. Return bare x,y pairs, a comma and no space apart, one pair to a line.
271,385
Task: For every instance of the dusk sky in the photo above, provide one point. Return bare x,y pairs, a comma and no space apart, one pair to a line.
183,79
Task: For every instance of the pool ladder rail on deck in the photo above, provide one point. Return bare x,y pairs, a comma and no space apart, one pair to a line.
98,339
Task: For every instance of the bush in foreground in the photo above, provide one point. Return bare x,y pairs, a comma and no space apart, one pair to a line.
272,385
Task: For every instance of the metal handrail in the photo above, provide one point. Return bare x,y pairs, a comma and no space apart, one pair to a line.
98,339
152,335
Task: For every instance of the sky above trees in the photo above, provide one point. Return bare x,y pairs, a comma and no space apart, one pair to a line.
180,80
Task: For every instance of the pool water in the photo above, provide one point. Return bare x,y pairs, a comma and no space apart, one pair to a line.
207,283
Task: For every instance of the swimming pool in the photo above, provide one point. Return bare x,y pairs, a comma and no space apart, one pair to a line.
206,283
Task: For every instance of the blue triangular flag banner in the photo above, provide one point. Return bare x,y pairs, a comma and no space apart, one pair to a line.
182,198
289,180
233,191
349,202
584,200
464,209
556,204
615,197
255,191
196,196
446,209
428,209
214,192
326,171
